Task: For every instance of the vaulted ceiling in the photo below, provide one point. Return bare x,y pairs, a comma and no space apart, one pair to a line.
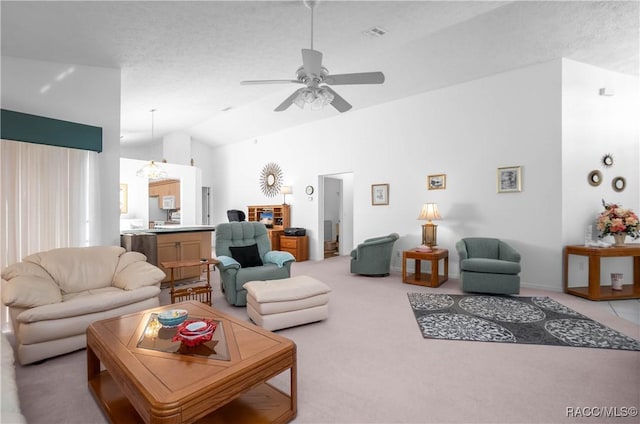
186,58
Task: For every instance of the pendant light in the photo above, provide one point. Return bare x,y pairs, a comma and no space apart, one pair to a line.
151,170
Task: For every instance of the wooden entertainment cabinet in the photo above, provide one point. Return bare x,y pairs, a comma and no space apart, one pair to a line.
281,220
281,214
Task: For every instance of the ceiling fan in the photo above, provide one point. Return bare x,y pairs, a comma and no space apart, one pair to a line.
316,80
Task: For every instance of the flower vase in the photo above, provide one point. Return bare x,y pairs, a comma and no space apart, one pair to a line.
619,239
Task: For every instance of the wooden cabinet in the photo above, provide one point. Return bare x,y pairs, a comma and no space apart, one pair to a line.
175,247
274,237
281,215
298,246
165,188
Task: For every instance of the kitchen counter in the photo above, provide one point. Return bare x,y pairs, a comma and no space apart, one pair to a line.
171,229
171,243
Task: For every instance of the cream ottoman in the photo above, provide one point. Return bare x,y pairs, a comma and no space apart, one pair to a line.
288,302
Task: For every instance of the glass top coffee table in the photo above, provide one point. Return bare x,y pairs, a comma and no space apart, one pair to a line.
141,377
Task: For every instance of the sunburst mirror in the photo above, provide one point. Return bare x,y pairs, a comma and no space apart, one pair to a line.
271,179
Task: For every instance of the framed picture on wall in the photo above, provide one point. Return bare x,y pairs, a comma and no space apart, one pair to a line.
379,194
124,198
437,182
509,179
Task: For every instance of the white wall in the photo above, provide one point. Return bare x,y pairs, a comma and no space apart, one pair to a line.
592,126
82,94
465,131
546,118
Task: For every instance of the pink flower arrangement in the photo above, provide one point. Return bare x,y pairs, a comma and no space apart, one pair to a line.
617,220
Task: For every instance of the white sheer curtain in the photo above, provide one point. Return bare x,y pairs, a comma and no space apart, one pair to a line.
47,199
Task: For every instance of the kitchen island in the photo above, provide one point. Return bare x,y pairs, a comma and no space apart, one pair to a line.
170,244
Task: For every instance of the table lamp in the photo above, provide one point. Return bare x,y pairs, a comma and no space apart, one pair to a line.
428,213
284,191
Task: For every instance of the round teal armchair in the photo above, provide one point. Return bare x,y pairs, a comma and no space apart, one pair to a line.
373,256
488,265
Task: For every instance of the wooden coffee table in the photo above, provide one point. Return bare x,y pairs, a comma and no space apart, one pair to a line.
153,384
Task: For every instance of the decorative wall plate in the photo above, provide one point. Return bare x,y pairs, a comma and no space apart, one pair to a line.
595,178
618,184
309,190
607,160
271,179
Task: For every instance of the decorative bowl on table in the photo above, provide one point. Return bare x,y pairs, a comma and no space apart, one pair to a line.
195,332
173,317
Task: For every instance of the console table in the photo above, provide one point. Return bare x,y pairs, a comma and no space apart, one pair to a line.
433,279
594,291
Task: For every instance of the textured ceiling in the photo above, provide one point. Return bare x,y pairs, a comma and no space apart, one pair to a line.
186,59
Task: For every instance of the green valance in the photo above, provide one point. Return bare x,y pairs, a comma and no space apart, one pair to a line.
19,126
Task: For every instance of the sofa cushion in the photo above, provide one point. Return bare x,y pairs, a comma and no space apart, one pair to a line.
88,302
76,269
24,268
493,266
128,258
28,291
138,274
247,256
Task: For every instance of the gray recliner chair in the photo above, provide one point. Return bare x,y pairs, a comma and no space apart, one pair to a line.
373,256
488,265
248,242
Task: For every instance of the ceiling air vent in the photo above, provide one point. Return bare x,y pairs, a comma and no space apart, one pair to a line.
375,31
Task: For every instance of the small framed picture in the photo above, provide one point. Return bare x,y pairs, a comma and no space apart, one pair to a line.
124,198
437,182
379,194
509,179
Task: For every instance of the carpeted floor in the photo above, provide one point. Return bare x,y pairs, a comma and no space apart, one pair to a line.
511,319
367,363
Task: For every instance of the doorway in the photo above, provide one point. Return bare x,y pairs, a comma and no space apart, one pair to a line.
336,212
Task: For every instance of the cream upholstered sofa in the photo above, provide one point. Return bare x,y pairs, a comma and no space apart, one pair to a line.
53,296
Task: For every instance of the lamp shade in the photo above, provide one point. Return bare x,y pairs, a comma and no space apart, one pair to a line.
429,212
286,190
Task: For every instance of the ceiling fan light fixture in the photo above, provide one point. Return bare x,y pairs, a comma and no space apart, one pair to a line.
312,74
316,97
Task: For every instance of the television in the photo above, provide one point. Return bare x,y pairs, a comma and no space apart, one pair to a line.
267,219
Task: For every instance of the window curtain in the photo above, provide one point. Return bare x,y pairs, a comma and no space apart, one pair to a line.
47,200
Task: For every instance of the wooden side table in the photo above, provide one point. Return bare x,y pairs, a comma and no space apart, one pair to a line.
433,279
594,291
201,293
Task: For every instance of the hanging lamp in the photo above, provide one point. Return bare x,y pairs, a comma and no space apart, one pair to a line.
151,170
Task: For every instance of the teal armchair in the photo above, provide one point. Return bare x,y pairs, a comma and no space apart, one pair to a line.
488,265
235,243
373,256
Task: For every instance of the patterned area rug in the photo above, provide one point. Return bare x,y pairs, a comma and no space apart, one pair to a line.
511,319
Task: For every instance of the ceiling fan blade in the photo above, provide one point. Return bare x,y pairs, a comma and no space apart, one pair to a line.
338,102
256,82
288,101
358,78
312,62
